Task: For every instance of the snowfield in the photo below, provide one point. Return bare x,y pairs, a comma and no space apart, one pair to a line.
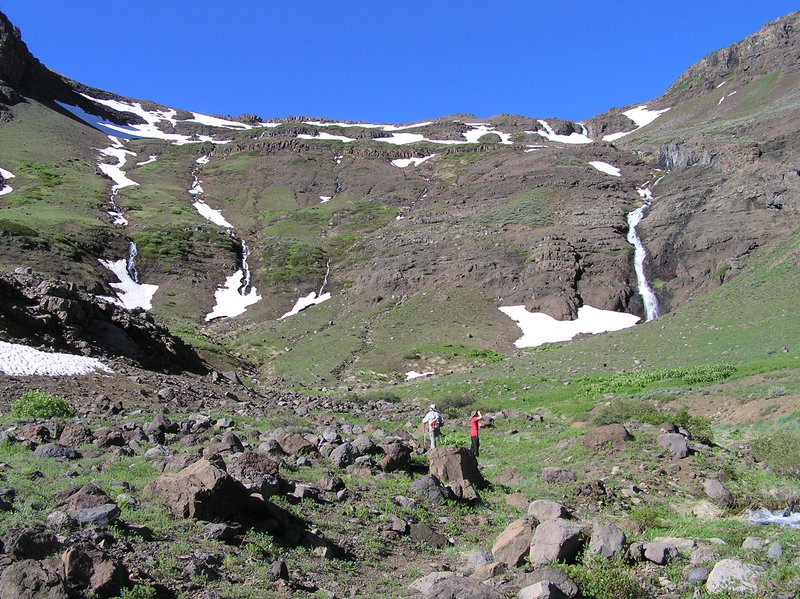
539,328
21,360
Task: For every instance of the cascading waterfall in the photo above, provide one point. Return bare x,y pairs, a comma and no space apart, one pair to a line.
133,253
245,268
325,280
640,255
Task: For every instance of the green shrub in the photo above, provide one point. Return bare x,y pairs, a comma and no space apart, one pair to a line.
651,516
699,428
14,229
620,411
599,578
779,451
38,404
455,405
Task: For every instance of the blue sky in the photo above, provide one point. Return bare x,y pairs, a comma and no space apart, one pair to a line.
381,61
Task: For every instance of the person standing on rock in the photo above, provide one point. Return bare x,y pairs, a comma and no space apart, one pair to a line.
433,421
474,427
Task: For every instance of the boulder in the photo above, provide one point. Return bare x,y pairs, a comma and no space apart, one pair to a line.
31,579
607,540
452,463
514,542
75,435
94,572
555,540
541,590
613,436
229,443
544,509
448,585
253,469
396,456
660,553
675,443
552,474
101,516
56,450
344,455
552,575
422,533
732,575
87,496
431,488
718,493
202,490
296,444
31,542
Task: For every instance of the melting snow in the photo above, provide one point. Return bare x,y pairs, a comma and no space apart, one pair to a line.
641,116
211,214
572,138
323,199
21,360
114,171
304,302
150,128
327,137
404,162
368,125
130,294
6,188
148,161
605,168
481,129
539,328
413,374
229,301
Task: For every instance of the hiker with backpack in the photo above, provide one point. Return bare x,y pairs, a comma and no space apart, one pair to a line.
433,421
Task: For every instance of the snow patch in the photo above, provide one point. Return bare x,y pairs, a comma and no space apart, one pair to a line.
21,360
539,328
130,294
230,302
640,116
404,162
413,374
304,302
324,199
326,137
605,168
572,138
114,171
211,214
6,175
148,161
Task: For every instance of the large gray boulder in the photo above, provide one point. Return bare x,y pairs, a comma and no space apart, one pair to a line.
202,490
453,464
544,509
514,542
31,579
607,540
31,542
718,493
555,540
431,488
732,575
675,443
447,585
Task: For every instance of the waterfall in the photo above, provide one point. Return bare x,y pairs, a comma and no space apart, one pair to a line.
325,280
245,268
133,253
640,255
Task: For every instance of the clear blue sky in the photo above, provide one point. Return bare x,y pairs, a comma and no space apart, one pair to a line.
384,61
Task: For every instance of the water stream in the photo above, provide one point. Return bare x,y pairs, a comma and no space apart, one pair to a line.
640,256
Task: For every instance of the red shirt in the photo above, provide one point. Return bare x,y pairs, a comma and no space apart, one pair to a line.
473,426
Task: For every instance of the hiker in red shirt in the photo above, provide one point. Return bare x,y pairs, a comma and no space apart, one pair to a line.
475,418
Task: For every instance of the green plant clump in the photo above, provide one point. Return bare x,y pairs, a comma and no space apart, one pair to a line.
38,404
689,375
779,451
598,578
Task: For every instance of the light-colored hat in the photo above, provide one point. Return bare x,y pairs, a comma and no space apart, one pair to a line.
433,406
